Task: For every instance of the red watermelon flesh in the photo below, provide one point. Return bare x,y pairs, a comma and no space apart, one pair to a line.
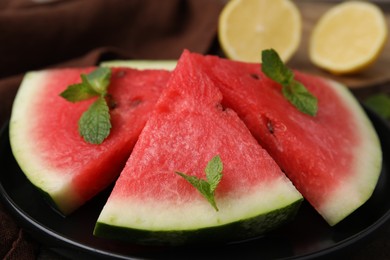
152,204
45,138
334,158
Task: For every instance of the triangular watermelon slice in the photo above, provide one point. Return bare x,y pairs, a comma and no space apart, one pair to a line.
45,139
334,158
152,204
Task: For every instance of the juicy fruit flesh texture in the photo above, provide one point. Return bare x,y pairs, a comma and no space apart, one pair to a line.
284,128
359,143
319,154
61,163
66,121
196,135
321,168
82,170
187,129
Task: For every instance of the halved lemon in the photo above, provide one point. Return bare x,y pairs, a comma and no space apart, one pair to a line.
348,37
246,27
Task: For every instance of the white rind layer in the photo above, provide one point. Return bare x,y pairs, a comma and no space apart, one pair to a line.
49,180
141,64
156,215
365,169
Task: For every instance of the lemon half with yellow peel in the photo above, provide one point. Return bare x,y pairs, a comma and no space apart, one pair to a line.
246,27
348,37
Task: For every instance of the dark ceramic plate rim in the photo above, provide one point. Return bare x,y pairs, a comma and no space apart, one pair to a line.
69,247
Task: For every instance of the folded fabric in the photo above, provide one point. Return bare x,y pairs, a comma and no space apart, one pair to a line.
39,33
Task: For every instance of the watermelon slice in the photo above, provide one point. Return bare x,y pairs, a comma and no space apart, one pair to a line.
152,204
337,165
334,159
45,139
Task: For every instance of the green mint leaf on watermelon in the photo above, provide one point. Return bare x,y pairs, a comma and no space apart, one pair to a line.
99,79
295,92
92,84
202,186
213,174
298,95
79,92
379,103
94,124
274,68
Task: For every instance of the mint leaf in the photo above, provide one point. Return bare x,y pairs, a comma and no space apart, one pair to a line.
379,103
214,172
99,79
93,84
295,92
274,68
94,124
78,92
214,175
302,99
202,186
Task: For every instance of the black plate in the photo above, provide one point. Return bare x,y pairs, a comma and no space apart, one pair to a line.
308,236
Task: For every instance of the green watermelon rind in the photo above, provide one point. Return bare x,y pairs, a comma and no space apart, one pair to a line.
197,214
367,168
49,200
56,190
239,230
260,210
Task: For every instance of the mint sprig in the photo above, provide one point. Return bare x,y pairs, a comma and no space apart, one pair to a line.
213,175
379,103
94,124
99,79
295,92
